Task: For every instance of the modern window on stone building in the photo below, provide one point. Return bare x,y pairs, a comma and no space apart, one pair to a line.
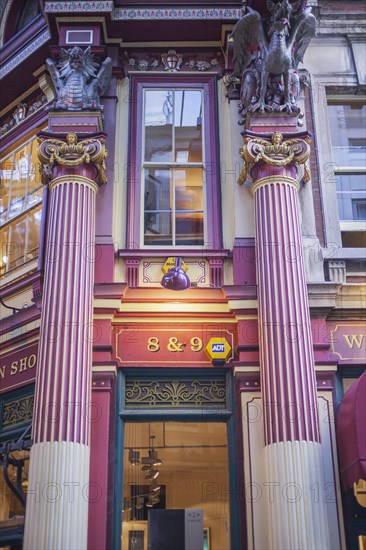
348,132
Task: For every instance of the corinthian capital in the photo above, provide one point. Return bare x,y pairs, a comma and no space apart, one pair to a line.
274,151
71,153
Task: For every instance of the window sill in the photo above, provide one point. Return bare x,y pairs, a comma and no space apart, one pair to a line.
17,275
158,252
353,225
214,258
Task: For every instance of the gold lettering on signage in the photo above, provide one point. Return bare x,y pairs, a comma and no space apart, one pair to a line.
174,344
2,371
352,339
153,344
32,359
196,344
14,368
23,364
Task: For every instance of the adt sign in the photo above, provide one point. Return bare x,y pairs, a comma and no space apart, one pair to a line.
218,348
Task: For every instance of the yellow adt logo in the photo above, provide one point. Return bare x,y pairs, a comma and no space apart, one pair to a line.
218,348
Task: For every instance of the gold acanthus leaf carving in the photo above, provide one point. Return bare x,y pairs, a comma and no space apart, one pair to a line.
71,153
276,152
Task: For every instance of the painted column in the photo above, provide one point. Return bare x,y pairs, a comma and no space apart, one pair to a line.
58,496
298,517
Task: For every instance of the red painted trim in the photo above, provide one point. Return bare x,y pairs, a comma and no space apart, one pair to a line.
19,285
20,339
99,462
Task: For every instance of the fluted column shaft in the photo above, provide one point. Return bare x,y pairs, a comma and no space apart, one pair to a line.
291,431
58,494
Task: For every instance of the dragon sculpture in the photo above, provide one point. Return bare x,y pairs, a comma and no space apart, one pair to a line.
78,84
267,53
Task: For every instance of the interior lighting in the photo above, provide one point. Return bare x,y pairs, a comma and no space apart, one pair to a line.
153,474
134,457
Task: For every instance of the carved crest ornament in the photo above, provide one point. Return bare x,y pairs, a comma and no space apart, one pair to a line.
267,52
78,83
71,153
277,152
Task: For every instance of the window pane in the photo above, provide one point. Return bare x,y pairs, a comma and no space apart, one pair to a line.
158,125
17,242
351,194
11,508
4,237
188,189
188,125
348,130
5,189
33,232
189,228
189,206
34,183
20,207
17,190
158,206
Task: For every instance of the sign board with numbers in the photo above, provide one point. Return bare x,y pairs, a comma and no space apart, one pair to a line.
170,344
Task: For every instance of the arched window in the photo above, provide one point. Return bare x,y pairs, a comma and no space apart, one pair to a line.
27,13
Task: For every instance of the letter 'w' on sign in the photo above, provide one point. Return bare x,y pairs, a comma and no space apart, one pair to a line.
354,339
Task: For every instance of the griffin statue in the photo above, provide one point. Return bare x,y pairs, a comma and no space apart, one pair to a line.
78,84
267,52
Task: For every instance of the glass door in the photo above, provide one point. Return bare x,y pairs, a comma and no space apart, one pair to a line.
176,466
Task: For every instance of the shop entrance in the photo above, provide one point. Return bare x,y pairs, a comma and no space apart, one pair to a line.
171,466
178,465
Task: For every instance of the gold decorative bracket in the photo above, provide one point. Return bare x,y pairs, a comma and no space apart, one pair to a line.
71,153
275,152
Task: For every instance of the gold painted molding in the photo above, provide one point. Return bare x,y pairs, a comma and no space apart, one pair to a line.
275,152
71,153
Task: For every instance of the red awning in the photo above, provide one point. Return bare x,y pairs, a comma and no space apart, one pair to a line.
351,433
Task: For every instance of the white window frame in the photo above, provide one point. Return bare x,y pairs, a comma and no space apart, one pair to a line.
171,166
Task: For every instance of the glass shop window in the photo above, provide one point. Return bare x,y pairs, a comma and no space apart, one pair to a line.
15,443
20,208
348,134
170,468
173,160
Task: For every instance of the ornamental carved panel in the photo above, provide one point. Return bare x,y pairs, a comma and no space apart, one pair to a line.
17,412
172,394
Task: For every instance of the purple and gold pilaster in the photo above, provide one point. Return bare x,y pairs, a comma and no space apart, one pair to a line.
57,502
291,431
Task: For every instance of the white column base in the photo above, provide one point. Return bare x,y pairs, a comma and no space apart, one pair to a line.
58,497
297,511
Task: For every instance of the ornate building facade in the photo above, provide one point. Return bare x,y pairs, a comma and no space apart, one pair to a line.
182,217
